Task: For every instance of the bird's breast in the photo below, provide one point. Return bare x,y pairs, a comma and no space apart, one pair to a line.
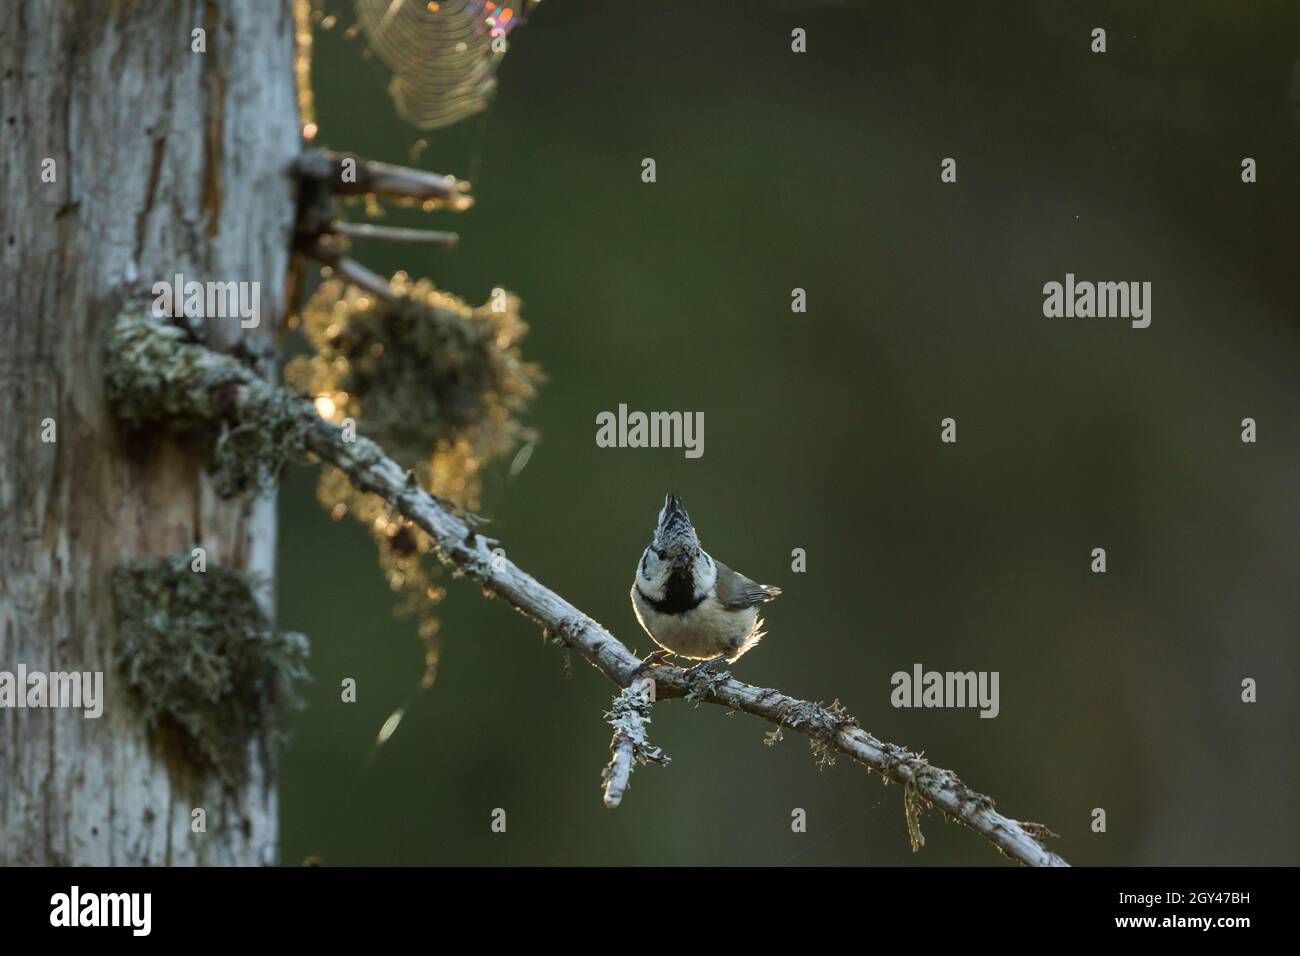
705,630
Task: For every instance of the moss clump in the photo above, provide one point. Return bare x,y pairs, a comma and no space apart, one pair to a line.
422,374
204,661
440,385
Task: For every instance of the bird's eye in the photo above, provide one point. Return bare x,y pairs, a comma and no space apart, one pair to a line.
661,555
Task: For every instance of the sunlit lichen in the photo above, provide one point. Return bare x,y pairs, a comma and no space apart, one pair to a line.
440,385
203,660
914,805
402,549
426,376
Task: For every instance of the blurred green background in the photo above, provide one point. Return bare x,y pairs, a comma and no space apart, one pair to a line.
821,171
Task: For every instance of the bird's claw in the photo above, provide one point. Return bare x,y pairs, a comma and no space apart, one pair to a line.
703,667
653,659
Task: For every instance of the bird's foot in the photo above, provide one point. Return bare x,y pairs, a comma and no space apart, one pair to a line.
703,667
653,659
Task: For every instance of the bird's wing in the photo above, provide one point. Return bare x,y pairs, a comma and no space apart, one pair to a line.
736,592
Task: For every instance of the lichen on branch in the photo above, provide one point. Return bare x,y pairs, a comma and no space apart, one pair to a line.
629,715
152,387
204,661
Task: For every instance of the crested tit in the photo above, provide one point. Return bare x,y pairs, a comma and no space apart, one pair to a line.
691,604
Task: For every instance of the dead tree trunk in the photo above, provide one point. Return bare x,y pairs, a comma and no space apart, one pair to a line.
165,160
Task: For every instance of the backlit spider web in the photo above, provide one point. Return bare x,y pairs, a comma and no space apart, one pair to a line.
441,53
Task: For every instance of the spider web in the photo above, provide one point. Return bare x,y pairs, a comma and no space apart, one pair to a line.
441,53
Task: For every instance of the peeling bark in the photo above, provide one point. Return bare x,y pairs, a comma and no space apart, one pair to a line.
168,161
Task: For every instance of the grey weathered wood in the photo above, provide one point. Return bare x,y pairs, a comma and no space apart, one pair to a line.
168,161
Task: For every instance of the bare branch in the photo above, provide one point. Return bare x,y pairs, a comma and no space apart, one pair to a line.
154,367
324,175
351,271
419,237
350,175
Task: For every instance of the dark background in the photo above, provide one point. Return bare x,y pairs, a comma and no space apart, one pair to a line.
821,171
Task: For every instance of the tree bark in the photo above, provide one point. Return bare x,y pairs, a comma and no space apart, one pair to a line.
166,161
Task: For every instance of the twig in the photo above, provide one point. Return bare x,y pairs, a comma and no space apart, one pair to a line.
350,175
628,716
419,237
155,367
349,270
619,772
323,175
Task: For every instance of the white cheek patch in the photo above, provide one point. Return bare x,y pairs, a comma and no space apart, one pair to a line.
654,577
705,575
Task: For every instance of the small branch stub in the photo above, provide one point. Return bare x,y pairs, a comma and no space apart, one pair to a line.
629,716
350,175
323,176
418,237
